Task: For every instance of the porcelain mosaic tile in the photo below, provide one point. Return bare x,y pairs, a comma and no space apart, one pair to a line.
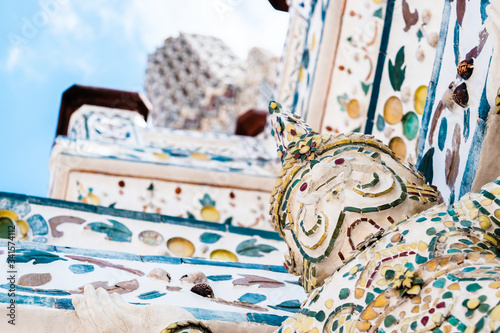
455,115
103,124
437,271
113,160
232,146
106,125
374,245
227,205
241,292
310,55
355,62
397,103
63,223
290,63
90,149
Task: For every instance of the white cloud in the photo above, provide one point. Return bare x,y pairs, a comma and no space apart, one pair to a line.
13,58
83,66
19,62
68,21
71,37
65,21
242,24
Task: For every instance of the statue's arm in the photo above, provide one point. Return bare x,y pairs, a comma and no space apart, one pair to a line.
99,311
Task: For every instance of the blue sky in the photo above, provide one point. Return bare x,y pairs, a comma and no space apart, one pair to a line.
48,45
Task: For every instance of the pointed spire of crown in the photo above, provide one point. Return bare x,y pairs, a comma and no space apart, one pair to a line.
287,127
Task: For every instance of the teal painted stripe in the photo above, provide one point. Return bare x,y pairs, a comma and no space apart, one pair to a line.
324,9
86,127
264,318
296,90
135,257
205,314
44,301
431,92
380,66
52,292
156,218
197,261
473,157
200,314
252,232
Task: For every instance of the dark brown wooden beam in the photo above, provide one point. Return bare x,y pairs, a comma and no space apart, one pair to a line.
77,95
251,123
279,5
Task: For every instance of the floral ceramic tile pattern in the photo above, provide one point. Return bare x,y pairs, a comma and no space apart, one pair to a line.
59,223
395,113
437,271
355,64
291,61
110,159
244,293
201,202
310,55
454,120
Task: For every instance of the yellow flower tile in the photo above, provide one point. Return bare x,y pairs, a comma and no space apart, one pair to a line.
382,282
486,202
309,321
438,274
9,214
484,222
469,205
381,301
489,258
358,293
473,213
416,300
353,270
473,303
403,247
491,239
363,326
444,261
415,290
369,314
422,246
474,256
446,328
449,224
495,285
469,329
431,265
